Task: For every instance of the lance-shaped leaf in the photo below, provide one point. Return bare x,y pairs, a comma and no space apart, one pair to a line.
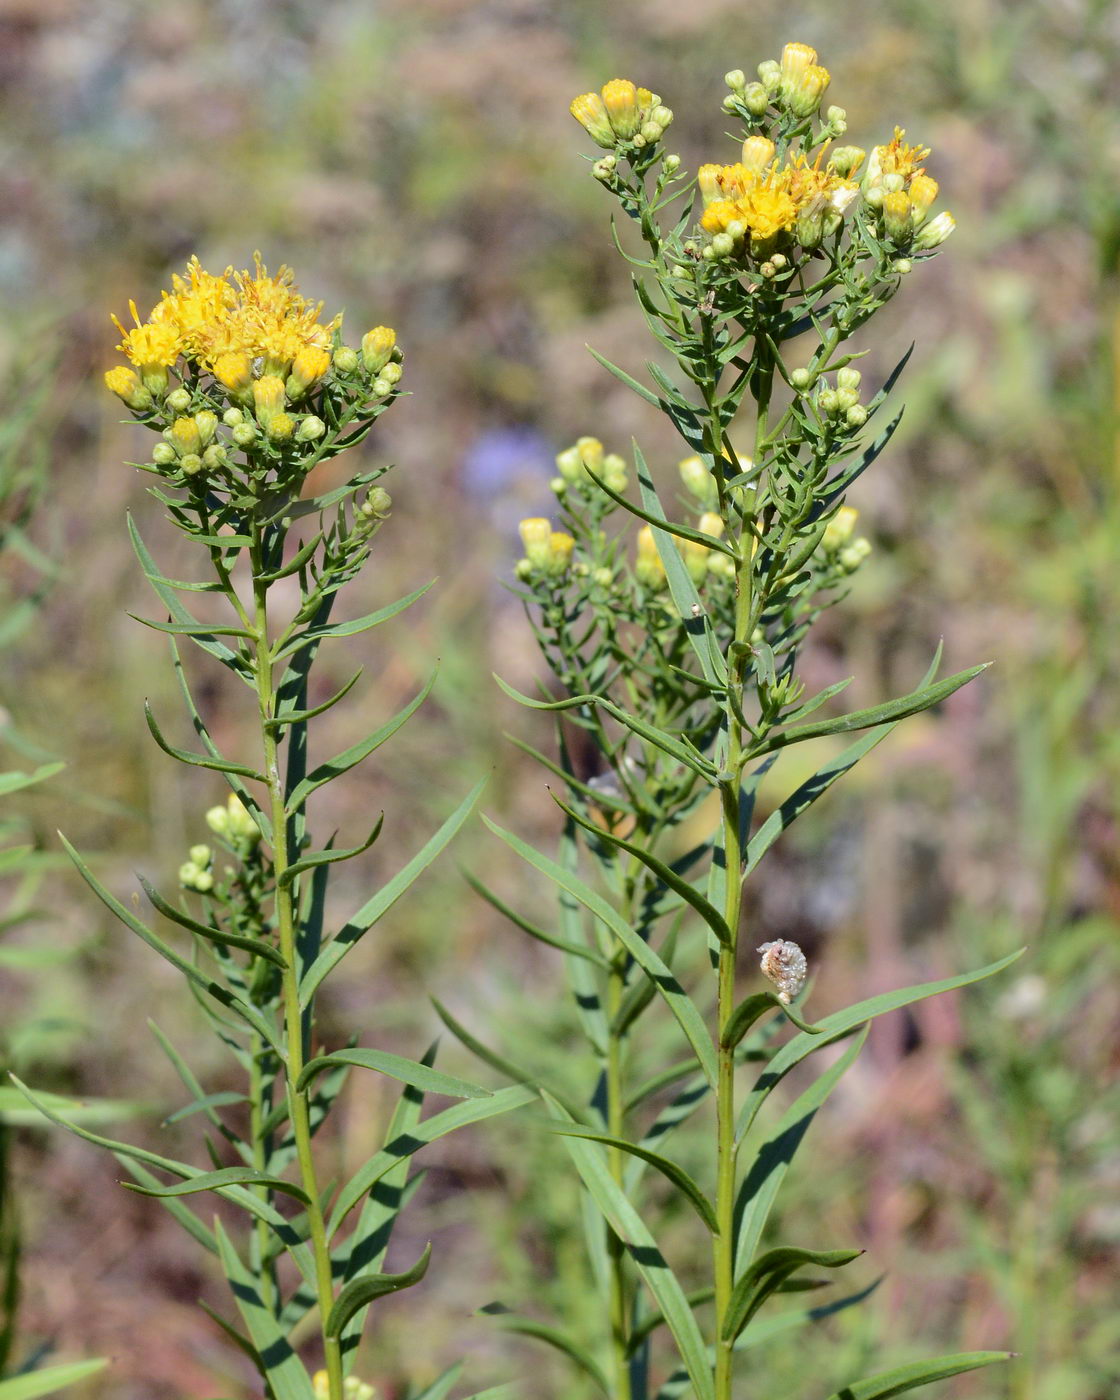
396,1067
13,782
403,1146
551,1336
903,1378
220,765
665,873
300,716
360,1292
680,1004
841,1023
190,972
669,527
667,743
751,1008
668,1169
767,1273
257,946
361,922
694,616
762,1182
329,856
351,757
49,1381
312,635
226,1176
577,950
627,1224
287,1378
905,705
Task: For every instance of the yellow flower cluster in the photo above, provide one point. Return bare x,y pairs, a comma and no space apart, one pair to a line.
896,183
759,200
621,112
223,323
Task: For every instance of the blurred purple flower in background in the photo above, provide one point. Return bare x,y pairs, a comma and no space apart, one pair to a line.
505,473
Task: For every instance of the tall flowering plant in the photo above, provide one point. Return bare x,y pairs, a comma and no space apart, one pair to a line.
678,667
248,390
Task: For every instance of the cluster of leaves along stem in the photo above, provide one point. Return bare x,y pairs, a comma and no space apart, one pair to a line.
254,946
671,692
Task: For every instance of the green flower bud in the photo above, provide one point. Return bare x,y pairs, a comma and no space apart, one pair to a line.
662,116
232,416
604,169
377,348
827,401
179,400
215,456
280,428
846,159
201,855
736,79
845,399
392,372
311,429
207,425
770,74
651,133
191,463
800,379
558,486
163,454
856,416
244,435
756,99
381,388
902,266
345,360
854,555
523,570
671,164
722,245
848,378
217,819
768,270
602,578
378,503
730,103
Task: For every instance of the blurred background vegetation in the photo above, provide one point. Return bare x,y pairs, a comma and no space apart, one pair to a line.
416,164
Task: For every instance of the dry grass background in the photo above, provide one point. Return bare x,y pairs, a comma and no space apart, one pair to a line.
417,165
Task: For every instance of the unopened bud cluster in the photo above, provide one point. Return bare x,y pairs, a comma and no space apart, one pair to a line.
241,378
622,115
352,1388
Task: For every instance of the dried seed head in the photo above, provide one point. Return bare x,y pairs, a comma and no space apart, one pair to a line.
784,964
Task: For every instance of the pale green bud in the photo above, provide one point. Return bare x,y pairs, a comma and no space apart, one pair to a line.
800,379
345,360
736,79
215,456
163,454
651,133
827,401
523,570
902,266
933,234
378,503
730,102
662,115
671,164
856,416
232,416
392,372
845,399
191,463
846,159
602,577
201,855
311,429
770,74
381,388
837,119
756,99
848,378
854,554
178,401
207,425
604,169
768,270
558,486
244,434
722,245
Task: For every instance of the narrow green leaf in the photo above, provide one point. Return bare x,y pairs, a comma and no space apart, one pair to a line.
668,1169
350,629
190,972
299,716
553,1337
201,1105
13,782
761,1330
751,1008
577,950
440,1388
668,877
227,1176
195,760
204,630
16,1112
49,1382
396,1067
257,946
360,1292
287,1378
351,757
385,898
760,1186
627,1224
402,1147
668,527
841,1023
186,1217
680,1004
905,705
918,1373
763,1277
329,857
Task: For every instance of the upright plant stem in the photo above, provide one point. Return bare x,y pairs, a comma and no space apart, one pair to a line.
620,1322
293,1016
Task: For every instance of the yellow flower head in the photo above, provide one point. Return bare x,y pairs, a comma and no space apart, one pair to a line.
769,209
758,152
149,346
309,365
797,59
589,110
536,536
897,157
620,98
125,383
377,347
839,529
560,546
195,303
234,371
922,192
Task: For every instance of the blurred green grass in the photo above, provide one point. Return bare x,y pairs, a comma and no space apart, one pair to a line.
418,167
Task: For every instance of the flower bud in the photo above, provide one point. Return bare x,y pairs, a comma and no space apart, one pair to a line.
933,234
671,164
736,79
783,963
125,383
614,473
846,160
591,114
837,119
536,533
392,372
377,504
207,425
280,428
602,577
756,99
698,480
856,416
232,416
758,152
770,75
845,399
848,378
560,546
164,455
620,98
311,429
604,169
806,98
800,379
244,434
183,435
308,368
201,855
723,245
797,59
839,529
234,372
377,348
381,388
896,215
854,554
191,877
902,266
648,568
191,464
215,457
345,359
809,228
826,400
922,192
590,452
268,398
523,570
662,115
179,400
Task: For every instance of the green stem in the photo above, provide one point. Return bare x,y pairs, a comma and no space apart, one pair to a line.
257,1116
293,1016
620,1312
